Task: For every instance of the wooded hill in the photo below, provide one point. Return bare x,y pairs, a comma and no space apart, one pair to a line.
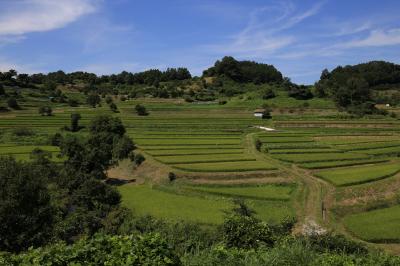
355,89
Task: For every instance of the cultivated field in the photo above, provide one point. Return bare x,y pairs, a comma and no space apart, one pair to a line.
314,167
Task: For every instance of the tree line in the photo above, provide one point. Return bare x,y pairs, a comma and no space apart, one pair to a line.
354,88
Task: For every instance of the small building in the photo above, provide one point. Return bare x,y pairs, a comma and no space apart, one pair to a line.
259,112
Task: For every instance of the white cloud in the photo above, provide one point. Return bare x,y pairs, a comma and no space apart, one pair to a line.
263,35
26,16
100,34
376,38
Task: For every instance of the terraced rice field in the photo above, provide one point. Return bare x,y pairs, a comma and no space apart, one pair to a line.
23,153
262,192
243,166
331,164
212,143
206,210
359,174
380,225
319,157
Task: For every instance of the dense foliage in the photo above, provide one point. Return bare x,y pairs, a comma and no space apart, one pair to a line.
42,202
244,71
353,87
240,240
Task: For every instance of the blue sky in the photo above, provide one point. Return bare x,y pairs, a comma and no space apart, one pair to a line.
107,36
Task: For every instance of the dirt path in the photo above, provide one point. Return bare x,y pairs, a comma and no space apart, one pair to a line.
313,195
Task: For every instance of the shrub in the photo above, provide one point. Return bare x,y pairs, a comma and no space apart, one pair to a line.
300,92
45,110
73,103
269,94
242,230
2,91
141,110
113,107
267,114
56,139
336,243
93,100
23,132
75,122
122,98
109,100
189,99
171,176
12,103
258,144
222,102
147,249
139,159
38,154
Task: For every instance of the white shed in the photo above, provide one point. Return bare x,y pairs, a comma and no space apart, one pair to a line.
259,112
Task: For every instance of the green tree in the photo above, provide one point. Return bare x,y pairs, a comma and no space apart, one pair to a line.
2,91
268,94
75,122
241,229
50,85
12,103
93,100
26,213
141,110
354,93
122,148
93,155
109,100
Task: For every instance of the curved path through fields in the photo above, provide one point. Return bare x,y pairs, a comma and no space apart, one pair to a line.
313,193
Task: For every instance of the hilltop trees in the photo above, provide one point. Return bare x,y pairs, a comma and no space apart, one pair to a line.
244,71
351,86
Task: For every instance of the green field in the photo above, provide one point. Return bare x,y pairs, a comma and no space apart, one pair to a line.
211,147
319,157
226,166
331,164
359,174
144,200
193,152
263,192
204,158
380,225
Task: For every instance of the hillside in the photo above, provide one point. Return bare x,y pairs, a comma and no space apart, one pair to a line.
194,178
